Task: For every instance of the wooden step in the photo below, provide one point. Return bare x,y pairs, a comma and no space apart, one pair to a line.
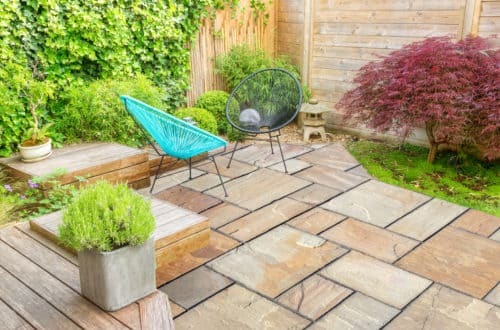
178,231
93,161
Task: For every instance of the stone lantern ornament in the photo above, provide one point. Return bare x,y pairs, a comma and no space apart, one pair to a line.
313,121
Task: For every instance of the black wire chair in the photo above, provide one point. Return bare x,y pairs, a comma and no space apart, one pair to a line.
263,103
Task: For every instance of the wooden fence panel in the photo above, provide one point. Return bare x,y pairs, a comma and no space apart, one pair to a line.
217,36
489,18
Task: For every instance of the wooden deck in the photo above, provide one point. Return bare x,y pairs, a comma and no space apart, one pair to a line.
40,288
178,231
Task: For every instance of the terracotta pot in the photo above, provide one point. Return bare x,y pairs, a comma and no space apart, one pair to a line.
35,153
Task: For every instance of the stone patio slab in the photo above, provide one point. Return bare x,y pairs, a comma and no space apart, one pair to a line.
315,194
217,245
458,259
195,286
372,240
239,308
188,199
260,154
360,170
292,165
376,279
442,308
357,312
316,220
314,296
259,188
204,182
496,236
277,260
330,177
176,309
427,219
376,203
494,296
262,220
478,222
237,168
333,156
223,214
172,179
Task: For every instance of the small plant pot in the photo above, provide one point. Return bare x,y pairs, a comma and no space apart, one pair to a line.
115,279
34,153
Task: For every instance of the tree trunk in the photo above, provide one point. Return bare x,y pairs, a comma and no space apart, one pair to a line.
433,145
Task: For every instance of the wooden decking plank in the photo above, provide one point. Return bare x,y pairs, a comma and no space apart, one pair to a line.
10,319
50,244
154,312
179,229
29,305
51,262
129,315
80,310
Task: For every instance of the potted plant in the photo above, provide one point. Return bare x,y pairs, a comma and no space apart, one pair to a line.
38,145
110,227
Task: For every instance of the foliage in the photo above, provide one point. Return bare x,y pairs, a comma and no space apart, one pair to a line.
203,118
37,196
456,178
94,111
242,60
106,217
215,103
22,105
450,88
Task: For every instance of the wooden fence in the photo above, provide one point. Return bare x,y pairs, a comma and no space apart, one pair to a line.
217,36
331,40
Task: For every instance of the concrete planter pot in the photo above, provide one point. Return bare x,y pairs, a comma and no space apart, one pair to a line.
115,279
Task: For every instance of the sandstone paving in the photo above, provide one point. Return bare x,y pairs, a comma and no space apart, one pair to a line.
357,312
239,308
292,165
314,296
330,177
428,219
195,286
442,308
171,179
218,244
360,171
260,221
188,199
260,154
496,236
277,260
316,220
175,309
204,182
259,188
376,279
467,262
493,296
333,156
376,203
237,168
315,194
478,222
369,239
223,214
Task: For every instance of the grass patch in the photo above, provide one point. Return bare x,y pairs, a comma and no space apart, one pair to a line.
458,179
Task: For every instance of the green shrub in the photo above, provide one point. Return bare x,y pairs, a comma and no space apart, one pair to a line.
202,117
215,103
242,60
106,217
94,112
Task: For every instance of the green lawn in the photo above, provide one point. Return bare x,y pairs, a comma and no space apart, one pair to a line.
466,181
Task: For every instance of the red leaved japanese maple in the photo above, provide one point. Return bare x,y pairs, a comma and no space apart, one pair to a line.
451,89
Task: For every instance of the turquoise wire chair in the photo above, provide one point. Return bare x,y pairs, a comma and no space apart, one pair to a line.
175,137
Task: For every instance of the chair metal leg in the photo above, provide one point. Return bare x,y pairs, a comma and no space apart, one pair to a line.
271,142
190,163
156,175
232,154
220,177
281,151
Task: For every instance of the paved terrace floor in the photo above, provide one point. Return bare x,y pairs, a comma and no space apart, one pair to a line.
327,247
